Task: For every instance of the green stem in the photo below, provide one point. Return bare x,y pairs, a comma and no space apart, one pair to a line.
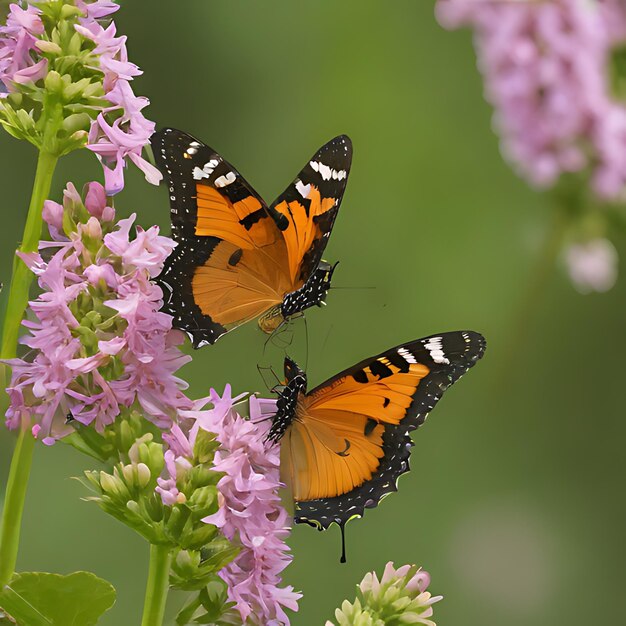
22,276
14,503
17,302
158,585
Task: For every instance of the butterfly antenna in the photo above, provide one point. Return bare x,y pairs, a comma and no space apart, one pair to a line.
352,288
262,369
326,338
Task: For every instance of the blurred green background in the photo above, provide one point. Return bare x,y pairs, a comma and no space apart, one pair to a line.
515,502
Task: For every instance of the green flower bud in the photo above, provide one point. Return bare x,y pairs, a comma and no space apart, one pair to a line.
48,47
111,485
53,82
75,122
68,11
144,475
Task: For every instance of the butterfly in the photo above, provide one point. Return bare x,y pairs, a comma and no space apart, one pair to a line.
344,444
237,258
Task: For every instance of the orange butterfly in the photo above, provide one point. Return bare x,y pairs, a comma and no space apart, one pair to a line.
237,258
345,443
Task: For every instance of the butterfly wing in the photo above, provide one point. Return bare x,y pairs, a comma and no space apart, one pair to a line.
230,265
236,257
307,209
351,441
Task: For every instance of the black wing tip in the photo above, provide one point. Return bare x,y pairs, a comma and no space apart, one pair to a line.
339,144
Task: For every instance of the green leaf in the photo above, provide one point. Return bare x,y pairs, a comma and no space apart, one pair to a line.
42,599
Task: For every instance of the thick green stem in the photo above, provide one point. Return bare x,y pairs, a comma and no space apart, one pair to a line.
14,503
22,276
158,584
18,299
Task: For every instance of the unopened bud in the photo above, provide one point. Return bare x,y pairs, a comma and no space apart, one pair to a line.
48,47
143,475
93,228
109,484
53,82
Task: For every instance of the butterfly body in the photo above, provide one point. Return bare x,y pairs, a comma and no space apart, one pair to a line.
345,443
239,259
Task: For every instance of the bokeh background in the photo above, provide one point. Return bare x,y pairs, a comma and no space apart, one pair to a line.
515,501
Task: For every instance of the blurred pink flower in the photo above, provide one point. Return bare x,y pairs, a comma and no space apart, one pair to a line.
592,265
98,303
546,72
250,512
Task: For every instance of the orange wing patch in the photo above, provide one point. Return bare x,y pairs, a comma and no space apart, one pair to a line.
219,217
303,230
335,443
324,459
381,398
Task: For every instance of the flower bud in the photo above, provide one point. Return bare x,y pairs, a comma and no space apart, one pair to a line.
110,484
53,214
48,47
54,82
76,122
143,475
93,228
69,11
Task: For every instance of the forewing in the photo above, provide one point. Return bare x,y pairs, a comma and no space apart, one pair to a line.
305,212
230,265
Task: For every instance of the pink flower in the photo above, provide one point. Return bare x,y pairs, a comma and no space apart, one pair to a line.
96,310
17,42
592,265
129,131
148,250
545,66
250,512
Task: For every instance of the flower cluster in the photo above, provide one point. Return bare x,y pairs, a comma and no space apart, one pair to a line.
546,67
399,597
98,341
250,513
66,80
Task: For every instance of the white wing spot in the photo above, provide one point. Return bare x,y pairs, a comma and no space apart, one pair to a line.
435,347
303,189
406,355
225,180
199,174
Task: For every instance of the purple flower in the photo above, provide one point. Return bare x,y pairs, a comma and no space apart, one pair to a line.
250,512
17,45
545,66
98,340
121,131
